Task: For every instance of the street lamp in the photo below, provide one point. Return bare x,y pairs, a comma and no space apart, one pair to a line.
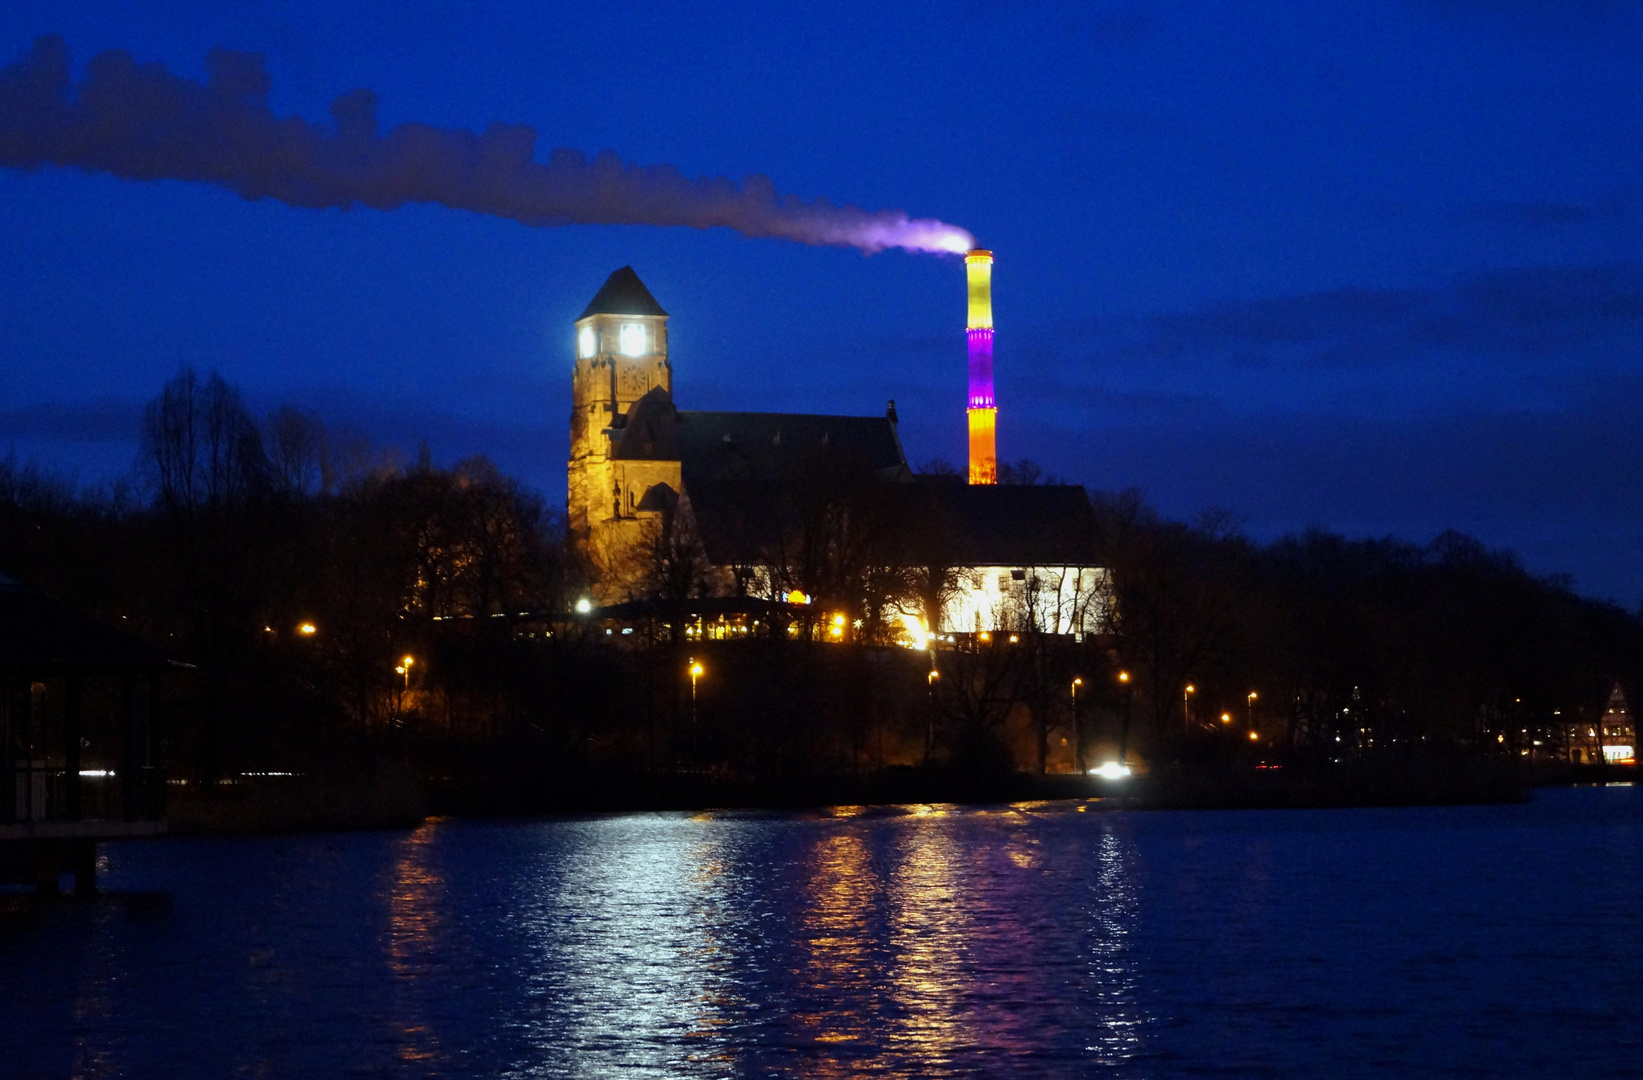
1078,728
930,680
307,629
1124,739
1252,697
1186,707
696,672
405,669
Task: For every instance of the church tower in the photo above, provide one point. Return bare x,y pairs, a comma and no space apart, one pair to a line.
621,355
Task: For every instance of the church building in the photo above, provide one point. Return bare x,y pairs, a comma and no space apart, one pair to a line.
652,487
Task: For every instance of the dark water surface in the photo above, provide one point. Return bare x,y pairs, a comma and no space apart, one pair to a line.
1035,940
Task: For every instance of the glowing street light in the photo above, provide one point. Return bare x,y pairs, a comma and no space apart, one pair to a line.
1078,726
696,672
1252,696
584,606
1124,739
307,629
1186,706
404,669
1111,770
1226,718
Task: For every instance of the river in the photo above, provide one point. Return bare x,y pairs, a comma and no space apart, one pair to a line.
1045,939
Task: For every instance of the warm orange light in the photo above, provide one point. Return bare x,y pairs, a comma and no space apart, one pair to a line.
985,636
1078,682
1226,718
1123,676
1014,639
1191,689
307,628
797,597
696,671
1253,737
934,675
983,445
1252,695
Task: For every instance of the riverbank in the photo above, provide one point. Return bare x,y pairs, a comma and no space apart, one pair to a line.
395,798
390,798
1434,782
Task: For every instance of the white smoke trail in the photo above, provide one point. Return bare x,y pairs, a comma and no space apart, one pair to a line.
141,122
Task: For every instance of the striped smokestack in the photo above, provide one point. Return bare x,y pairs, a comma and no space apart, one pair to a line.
983,408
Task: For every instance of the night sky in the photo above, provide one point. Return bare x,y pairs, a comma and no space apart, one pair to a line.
1369,266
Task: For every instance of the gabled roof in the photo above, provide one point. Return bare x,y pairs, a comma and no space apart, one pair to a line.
622,294
753,446
749,445
1015,525
649,431
37,631
923,524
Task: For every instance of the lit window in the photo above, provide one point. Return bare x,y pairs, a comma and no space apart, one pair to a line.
633,339
584,342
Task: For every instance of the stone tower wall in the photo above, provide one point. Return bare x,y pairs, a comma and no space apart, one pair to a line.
602,518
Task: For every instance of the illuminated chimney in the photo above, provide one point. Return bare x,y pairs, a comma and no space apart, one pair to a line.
983,409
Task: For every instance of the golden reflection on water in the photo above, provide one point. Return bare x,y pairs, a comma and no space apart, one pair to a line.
838,970
930,925
415,891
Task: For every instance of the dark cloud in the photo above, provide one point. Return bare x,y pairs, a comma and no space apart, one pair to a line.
1538,212
1559,485
1531,311
100,420
1616,205
1541,16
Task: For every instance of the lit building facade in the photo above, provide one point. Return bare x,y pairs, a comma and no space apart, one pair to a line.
645,477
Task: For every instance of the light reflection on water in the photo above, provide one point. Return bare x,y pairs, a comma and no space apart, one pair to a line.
1028,940
415,900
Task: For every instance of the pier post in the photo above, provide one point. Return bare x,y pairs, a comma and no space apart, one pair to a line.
45,868
85,867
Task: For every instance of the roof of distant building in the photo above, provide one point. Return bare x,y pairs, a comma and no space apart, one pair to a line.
38,631
749,445
622,294
1015,524
742,521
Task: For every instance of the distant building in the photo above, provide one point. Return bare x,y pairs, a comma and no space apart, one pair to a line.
1611,738
652,488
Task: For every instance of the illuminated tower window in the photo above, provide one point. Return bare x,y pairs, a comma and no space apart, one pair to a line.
633,339
584,342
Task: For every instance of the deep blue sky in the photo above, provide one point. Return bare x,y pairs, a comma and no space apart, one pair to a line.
1373,266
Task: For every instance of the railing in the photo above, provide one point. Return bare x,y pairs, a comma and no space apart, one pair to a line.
36,791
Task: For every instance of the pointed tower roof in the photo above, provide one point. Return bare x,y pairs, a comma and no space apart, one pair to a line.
622,294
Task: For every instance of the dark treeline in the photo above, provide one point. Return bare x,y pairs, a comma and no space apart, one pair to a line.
296,569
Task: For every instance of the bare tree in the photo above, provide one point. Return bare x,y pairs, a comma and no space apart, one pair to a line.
296,442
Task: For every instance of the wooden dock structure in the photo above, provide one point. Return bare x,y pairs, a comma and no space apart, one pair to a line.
80,751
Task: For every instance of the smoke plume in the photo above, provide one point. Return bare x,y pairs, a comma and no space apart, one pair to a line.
141,122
